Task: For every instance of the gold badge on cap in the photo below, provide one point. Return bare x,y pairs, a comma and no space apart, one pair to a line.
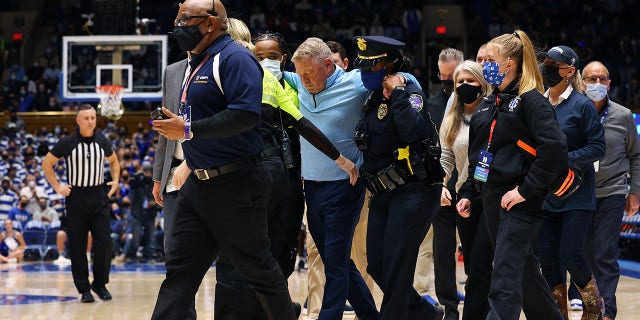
382,111
362,44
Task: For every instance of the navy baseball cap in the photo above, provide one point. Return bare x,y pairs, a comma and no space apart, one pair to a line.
374,49
563,54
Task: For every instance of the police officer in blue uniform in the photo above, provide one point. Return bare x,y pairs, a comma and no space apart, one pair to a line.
401,169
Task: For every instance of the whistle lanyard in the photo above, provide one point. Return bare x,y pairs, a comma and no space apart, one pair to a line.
183,98
605,114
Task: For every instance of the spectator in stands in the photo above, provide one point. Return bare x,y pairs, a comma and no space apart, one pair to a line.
15,123
32,192
45,213
8,198
20,213
122,231
12,244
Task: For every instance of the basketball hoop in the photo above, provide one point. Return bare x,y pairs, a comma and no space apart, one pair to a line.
110,106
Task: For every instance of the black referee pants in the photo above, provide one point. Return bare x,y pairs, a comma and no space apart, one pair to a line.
225,213
88,210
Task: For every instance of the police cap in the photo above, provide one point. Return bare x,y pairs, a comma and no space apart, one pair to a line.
563,54
375,49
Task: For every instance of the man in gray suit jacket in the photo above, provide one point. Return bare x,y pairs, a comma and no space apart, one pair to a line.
169,156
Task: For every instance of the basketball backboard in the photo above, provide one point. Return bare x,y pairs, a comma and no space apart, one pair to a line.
134,62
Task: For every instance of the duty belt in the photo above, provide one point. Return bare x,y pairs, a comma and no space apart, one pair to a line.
206,174
388,178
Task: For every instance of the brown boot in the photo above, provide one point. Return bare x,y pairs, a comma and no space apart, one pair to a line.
592,303
560,296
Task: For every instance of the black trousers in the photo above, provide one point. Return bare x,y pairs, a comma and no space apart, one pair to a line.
398,222
225,213
478,259
516,282
235,298
88,210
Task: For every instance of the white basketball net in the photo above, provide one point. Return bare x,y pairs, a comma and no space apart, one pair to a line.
110,100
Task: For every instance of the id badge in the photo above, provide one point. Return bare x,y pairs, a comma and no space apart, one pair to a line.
185,112
482,168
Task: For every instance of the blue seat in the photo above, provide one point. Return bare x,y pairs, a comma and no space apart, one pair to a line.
34,238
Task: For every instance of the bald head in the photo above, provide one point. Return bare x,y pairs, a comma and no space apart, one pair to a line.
213,27
593,66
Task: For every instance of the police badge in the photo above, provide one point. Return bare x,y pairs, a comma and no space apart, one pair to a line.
382,111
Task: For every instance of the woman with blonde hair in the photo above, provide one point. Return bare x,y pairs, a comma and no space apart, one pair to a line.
470,89
513,184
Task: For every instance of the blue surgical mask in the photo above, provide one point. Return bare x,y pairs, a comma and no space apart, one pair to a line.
272,66
373,80
596,91
491,73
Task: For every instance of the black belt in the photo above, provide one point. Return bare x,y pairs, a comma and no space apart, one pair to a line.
206,174
388,178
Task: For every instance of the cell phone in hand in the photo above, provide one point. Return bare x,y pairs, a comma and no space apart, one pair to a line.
157,114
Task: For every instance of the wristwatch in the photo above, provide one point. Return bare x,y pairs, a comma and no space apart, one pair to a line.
399,88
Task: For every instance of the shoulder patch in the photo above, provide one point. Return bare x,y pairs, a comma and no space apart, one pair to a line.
416,102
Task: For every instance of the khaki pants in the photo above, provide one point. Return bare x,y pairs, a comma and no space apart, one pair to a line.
316,278
424,266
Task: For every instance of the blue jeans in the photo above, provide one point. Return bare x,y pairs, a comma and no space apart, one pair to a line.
333,209
561,243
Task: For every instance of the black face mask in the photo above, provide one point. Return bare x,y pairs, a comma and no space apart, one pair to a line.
468,93
447,87
550,75
188,37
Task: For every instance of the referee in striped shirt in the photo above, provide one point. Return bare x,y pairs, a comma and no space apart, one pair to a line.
84,152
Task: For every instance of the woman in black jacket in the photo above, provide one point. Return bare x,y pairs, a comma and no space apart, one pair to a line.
514,184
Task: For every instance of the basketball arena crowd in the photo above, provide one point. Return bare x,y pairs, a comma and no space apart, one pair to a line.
602,31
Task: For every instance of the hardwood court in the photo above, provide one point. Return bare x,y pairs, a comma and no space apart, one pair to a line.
45,291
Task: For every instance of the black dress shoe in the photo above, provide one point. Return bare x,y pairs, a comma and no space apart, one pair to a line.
297,309
87,297
102,292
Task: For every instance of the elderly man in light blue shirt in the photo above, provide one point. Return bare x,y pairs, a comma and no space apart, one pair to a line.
332,99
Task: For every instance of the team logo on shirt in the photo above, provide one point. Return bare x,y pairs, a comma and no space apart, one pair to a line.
513,104
201,79
382,111
415,100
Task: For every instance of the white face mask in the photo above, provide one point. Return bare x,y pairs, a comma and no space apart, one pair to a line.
596,91
273,66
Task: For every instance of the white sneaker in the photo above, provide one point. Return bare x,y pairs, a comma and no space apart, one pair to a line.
61,260
576,305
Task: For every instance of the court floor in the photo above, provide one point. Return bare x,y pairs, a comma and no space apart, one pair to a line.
45,291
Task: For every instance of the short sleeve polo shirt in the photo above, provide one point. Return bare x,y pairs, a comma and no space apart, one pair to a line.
241,80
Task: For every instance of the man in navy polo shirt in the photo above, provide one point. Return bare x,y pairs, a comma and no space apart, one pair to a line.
222,204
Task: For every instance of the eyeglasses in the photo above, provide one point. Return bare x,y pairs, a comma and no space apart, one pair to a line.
184,20
595,79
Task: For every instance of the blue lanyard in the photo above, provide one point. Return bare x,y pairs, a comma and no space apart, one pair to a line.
604,115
